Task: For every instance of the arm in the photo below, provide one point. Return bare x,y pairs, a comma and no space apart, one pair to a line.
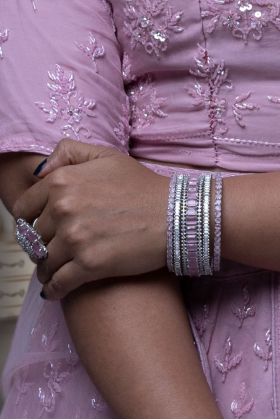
251,220
37,112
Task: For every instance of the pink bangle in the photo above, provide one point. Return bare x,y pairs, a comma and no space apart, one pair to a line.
192,239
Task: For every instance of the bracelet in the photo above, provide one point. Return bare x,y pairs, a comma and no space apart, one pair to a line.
188,219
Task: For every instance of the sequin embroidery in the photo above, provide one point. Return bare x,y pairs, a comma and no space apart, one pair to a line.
265,354
122,131
92,50
67,104
145,105
245,19
243,404
229,361
4,35
245,311
150,23
211,78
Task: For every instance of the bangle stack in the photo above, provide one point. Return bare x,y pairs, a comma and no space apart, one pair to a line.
188,220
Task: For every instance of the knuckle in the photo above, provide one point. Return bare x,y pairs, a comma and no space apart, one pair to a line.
61,207
58,178
73,234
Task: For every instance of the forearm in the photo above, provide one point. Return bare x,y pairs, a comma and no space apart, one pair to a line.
135,342
251,220
16,175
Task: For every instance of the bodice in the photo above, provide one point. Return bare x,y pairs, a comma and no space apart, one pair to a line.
203,80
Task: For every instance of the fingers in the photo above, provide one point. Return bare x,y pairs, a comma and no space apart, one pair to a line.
58,256
45,226
67,278
71,152
32,202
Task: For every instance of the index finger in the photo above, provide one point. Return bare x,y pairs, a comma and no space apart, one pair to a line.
31,203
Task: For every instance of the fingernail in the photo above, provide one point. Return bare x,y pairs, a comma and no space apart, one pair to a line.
40,167
43,295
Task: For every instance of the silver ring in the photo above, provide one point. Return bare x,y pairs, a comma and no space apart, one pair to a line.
35,223
30,240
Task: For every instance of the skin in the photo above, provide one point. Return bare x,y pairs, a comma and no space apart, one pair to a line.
159,359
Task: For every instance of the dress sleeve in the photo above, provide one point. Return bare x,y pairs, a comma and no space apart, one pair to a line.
60,76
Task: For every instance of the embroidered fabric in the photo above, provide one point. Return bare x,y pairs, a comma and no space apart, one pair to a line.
165,86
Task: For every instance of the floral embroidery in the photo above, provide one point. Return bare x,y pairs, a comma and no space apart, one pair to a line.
243,404
211,78
67,104
244,18
92,50
229,362
247,310
122,131
240,105
149,23
201,320
214,77
55,373
145,105
4,35
128,77
265,354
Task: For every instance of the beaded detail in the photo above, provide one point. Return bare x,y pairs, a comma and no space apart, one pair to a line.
4,35
150,23
127,74
229,361
245,19
245,311
92,50
145,105
67,104
122,130
243,404
240,105
211,78
34,5
265,354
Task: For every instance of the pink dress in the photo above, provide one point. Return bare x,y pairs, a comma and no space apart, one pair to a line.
191,82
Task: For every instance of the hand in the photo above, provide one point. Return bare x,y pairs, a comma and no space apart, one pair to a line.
101,216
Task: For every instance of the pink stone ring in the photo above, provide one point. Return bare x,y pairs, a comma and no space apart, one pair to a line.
30,241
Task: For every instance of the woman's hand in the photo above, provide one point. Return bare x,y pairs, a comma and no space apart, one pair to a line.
103,215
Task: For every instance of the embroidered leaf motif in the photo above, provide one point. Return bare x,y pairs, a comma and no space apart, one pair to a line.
145,105
243,404
240,106
67,104
247,310
211,77
244,19
92,50
4,35
265,354
229,362
150,23
122,131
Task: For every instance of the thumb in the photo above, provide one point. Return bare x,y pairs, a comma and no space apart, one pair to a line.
71,152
